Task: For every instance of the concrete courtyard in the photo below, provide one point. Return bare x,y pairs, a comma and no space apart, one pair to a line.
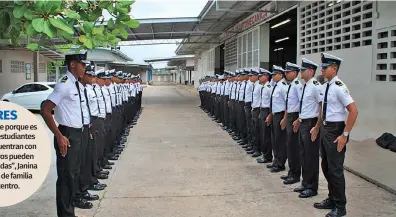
178,162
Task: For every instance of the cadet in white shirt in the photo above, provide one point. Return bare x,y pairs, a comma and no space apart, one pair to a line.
336,102
293,95
66,102
218,98
200,89
241,115
255,113
233,101
88,148
105,77
308,124
99,123
248,112
277,106
111,131
265,129
228,101
225,94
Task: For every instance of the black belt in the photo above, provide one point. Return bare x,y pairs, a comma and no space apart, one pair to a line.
276,113
86,125
70,128
333,123
255,109
307,119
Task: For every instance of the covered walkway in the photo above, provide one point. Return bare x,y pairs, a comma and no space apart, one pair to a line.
180,163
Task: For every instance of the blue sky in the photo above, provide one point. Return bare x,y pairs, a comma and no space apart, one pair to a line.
160,9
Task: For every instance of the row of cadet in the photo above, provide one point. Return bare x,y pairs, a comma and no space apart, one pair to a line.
95,112
276,118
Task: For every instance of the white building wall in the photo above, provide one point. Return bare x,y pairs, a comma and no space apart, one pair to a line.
203,70
10,81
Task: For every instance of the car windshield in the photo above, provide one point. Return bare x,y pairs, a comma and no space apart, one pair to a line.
52,85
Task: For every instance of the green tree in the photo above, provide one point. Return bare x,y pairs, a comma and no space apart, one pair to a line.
53,23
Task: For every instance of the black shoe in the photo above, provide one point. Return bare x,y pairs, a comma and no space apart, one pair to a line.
291,180
107,167
249,149
88,196
336,212
113,158
308,193
97,187
299,189
102,176
82,204
245,146
277,169
256,154
250,152
325,204
102,184
284,177
110,163
269,166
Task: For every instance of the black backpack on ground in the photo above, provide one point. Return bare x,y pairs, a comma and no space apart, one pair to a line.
386,140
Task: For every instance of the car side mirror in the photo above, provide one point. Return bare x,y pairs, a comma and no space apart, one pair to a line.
13,92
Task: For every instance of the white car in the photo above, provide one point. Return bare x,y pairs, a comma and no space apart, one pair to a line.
30,95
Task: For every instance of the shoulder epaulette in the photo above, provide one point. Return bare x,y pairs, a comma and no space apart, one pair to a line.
339,83
284,83
64,79
268,86
315,83
296,82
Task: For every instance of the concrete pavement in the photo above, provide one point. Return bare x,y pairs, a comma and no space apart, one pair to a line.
180,163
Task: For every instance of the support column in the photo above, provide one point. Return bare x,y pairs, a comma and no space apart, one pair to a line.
36,61
264,43
56,73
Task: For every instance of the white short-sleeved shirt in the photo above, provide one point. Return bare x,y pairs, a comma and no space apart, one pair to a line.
227,88
107,95
232,90
101,100
241,91
338,98
65,96
256,95
92,100
293,102
279,96
213,86
249,91
133,90
312,96
84,105
218,87
266,95
112,95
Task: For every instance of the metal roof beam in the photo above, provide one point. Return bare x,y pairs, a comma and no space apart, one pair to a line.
159,41
220,19
182,32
